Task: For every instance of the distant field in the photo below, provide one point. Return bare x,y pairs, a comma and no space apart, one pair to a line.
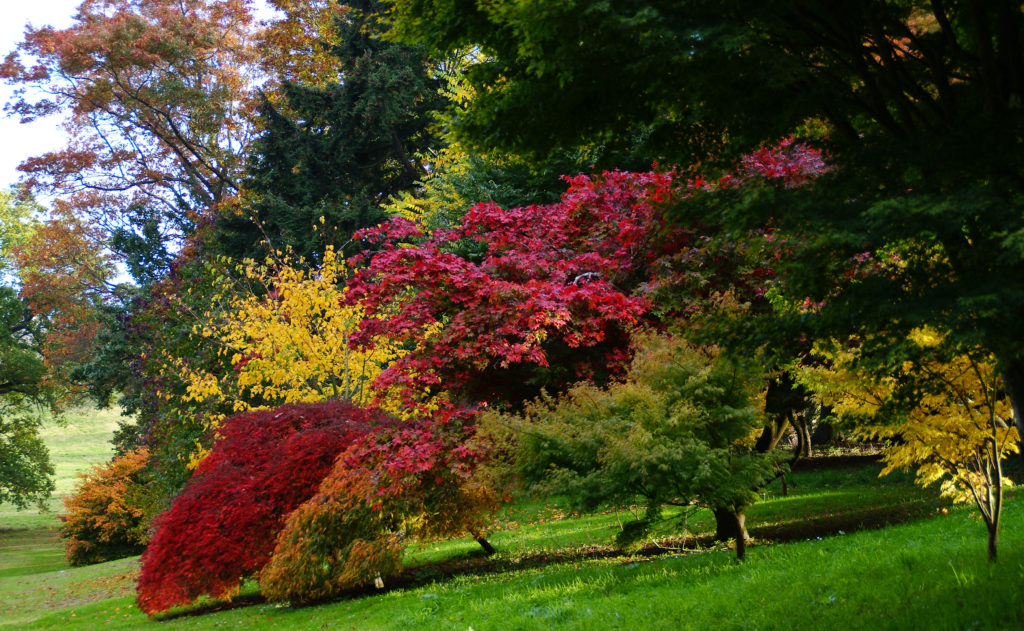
74,448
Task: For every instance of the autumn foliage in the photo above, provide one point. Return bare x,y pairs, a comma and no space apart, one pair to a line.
544,295
525,296
941,414
106,516
221,528
415,478
284,329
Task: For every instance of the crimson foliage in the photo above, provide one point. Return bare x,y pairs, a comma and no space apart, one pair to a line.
416,478
530,296
222,527
517,299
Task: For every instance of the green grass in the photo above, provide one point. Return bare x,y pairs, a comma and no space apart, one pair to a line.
74,448
28,538
30,551
930,574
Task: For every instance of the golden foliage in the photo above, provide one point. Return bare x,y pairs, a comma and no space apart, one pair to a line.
285,334
956,433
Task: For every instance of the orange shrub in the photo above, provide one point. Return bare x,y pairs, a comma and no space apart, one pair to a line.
107,517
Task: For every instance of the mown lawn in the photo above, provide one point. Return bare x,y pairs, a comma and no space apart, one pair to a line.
75,447
556,569
929,574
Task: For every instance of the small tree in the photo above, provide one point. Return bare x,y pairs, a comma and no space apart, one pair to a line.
221,529
285,332
679,430
415,478
107,515
942,414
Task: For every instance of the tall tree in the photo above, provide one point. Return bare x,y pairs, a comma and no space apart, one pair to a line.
25,469
156,98
339,149
919,100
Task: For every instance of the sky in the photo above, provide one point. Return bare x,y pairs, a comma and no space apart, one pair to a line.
18,141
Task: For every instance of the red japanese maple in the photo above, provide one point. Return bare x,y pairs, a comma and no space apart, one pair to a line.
221,529
542,295
413,478
520,292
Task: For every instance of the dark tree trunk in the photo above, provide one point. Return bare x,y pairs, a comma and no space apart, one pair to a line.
803,437
993,538
1013,379
778,407
732,524
486,545
771,435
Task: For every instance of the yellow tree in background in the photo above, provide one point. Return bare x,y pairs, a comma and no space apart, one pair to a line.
955,431
285,333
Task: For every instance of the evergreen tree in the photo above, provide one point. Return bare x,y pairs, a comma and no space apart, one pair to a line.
341,149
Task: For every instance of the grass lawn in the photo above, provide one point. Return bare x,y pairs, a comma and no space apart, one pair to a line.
74,448
929,574
556,569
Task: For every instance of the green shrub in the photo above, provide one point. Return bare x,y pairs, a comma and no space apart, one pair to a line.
679,430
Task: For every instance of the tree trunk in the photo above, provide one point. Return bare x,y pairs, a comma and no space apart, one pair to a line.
773,432
803,429
731,523
486,545
993,536
1013,380
778,408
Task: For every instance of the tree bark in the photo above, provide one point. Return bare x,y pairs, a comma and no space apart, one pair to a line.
993,537
486,545
731,523
1013,380
803,437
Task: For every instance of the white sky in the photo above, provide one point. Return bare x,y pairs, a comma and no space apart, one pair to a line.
17,141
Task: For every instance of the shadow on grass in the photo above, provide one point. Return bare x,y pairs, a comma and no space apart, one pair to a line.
477,563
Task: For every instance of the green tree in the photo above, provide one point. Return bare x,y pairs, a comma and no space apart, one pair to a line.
679,430
25,469
919,102
338,149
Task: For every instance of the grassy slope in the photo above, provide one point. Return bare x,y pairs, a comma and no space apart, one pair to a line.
28,539
929,574
75,447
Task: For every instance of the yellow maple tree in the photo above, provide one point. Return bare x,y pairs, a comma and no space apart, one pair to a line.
956,432
285,331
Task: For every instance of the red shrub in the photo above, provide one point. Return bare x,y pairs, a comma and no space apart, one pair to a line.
222,527
410,479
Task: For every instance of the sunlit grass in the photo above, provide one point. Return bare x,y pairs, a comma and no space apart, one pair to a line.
930,574
75,447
